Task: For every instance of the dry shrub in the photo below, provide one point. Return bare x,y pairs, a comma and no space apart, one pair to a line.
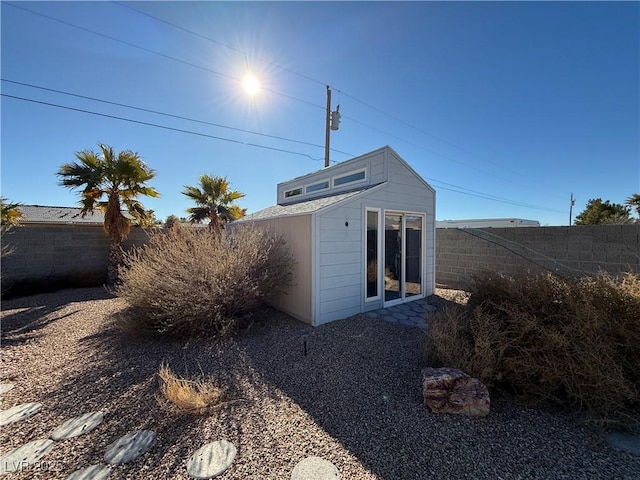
199,282
575,341
180,395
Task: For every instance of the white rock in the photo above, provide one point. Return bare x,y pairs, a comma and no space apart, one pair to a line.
5,387
77,426
129,447
94,472
315,468
212,459
19,412
23,456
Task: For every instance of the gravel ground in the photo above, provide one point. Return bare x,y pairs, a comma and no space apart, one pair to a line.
355,400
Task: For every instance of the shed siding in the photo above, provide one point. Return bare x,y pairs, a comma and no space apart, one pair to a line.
296,230
339,261
340,246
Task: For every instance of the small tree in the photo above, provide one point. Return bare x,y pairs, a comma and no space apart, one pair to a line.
10,216
121,179
598,212
214,200
148,220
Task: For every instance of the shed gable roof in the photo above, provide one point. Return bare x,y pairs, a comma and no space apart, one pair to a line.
301,208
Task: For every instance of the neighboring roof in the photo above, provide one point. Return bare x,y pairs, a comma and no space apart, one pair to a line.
302,208
487,222
44,214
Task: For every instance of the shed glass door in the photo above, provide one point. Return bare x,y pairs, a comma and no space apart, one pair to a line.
392,257
413,255
403,238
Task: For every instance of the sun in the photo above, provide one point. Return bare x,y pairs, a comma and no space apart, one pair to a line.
251,85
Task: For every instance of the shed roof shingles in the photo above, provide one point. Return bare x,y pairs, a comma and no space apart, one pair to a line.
301,208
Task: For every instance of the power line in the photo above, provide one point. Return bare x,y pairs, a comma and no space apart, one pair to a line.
362,102
164,127
217,42
164,55
170,115
268,90
236,79
190,132
493,198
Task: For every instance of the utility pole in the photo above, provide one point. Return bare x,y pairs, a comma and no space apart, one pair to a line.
327,137
332,123
571,204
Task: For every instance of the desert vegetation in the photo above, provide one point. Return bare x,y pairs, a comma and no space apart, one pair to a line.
182,395
575,341
199,282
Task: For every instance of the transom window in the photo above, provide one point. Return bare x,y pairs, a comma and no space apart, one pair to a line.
350,178
317,186
293,193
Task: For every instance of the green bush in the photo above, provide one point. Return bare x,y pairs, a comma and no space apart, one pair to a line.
198,281
574,341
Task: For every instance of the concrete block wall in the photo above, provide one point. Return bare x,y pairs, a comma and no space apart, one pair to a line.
461,253
61,251
54,252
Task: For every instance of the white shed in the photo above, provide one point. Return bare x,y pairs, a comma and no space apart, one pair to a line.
362,233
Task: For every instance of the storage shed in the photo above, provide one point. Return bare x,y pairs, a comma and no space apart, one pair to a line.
362,233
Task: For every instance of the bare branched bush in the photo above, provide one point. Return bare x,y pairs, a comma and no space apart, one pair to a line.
179,395
574,341
199,281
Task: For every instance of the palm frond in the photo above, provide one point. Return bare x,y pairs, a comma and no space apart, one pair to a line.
198,214
195,194
121,178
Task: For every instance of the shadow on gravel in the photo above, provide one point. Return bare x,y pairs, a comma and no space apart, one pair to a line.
23,318
359,382
120,376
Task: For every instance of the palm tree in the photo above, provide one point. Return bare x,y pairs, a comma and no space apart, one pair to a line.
214,201
120,179
634,201
10,216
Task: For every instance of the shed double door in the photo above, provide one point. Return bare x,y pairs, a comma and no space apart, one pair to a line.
403,234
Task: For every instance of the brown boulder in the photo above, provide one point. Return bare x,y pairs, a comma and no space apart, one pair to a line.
447,390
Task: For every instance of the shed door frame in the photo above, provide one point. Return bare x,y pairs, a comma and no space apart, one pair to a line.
403,297
378,252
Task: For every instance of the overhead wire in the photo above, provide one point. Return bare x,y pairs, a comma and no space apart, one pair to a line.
487,196
170,115
201,67
164,55
215,137
140,122
212,40
346,94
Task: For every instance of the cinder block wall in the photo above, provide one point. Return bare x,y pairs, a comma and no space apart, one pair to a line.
461,253
47,252
50,252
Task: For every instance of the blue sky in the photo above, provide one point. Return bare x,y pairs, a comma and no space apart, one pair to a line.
524,103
